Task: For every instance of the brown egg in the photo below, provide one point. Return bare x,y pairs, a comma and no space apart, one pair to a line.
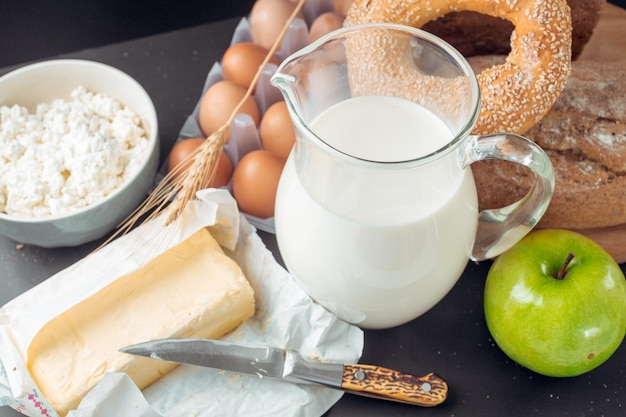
242,60
219,102
267,19
325,23
342,6
224,171
255,181
276,130
181,154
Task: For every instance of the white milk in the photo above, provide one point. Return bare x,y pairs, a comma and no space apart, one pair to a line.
401,240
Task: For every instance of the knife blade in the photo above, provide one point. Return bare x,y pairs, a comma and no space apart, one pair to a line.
271,362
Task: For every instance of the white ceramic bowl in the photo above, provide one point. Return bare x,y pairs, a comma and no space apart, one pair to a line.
48,80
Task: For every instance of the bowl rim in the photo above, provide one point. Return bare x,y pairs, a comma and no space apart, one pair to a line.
152,132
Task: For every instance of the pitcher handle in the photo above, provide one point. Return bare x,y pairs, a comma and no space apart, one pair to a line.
499,229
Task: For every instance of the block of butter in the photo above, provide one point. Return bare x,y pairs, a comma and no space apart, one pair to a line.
190,290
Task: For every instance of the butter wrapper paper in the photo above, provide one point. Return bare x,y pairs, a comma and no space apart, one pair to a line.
285,317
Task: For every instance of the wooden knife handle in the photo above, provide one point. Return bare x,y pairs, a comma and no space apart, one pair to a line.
375,381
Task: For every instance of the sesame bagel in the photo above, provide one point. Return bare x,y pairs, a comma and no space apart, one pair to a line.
519,92
475,34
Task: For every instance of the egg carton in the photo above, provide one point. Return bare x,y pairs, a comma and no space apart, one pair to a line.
245,136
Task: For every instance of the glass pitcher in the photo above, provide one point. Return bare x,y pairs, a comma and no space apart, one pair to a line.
376,212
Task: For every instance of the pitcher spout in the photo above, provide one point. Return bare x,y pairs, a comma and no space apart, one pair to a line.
282,81
287,83
310,81
292,79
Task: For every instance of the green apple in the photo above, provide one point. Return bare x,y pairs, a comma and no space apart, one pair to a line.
556,303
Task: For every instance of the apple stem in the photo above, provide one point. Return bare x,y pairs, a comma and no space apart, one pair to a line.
562,274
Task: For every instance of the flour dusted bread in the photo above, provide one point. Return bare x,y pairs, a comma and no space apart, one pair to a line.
585,136
191,290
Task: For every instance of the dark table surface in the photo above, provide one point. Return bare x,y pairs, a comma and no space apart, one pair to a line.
451,339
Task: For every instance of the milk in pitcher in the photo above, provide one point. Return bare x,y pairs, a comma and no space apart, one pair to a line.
383,261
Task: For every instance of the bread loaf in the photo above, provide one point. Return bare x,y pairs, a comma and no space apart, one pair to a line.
585,136
474,33
191,290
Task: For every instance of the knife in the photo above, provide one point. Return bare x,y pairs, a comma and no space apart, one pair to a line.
270,362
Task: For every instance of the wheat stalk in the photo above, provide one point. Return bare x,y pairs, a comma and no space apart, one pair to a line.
181,189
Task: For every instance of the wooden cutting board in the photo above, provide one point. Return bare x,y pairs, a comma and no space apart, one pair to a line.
607,44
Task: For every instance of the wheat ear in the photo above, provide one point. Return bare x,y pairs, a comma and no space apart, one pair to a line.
181,189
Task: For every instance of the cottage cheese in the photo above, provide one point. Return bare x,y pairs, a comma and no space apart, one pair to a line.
69,154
